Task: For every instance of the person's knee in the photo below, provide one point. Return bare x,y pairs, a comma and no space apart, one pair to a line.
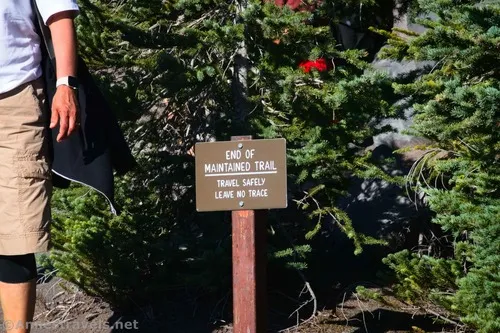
18,268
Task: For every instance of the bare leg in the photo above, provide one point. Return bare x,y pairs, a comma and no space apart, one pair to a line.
18,305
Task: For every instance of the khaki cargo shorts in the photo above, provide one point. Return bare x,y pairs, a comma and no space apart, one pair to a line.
25,183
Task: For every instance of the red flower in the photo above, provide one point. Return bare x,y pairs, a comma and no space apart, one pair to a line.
319,64
299,4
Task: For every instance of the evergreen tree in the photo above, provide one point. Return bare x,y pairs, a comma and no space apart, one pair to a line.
456,103
182,71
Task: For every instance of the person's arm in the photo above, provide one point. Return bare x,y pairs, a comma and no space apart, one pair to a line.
64,103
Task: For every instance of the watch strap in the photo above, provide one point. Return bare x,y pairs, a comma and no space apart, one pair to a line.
69,81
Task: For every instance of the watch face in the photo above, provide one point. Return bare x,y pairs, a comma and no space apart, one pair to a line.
73,82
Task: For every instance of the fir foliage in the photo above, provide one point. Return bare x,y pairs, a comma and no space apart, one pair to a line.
168,68
456,105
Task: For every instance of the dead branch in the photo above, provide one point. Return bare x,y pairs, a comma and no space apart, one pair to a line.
342,310
362,311
443,318
307,287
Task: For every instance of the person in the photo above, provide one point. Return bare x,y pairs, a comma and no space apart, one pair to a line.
25,177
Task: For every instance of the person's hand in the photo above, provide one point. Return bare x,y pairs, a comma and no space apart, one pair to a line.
65,112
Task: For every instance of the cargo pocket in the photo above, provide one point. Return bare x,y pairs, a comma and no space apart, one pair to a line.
34,192
32,168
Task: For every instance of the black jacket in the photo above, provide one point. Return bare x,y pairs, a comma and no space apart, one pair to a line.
91,155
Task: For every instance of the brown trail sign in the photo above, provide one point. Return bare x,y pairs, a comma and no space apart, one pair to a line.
242,175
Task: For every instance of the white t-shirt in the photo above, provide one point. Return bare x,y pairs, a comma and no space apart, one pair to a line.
20,53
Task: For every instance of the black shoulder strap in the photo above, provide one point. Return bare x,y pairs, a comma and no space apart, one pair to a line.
44,32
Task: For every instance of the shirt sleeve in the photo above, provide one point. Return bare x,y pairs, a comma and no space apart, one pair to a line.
48,8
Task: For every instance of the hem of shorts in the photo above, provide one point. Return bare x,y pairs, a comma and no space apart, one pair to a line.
33,242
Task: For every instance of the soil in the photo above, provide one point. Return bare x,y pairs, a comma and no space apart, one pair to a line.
61,307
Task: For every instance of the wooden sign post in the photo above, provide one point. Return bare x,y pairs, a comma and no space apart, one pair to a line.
245,176
249,268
